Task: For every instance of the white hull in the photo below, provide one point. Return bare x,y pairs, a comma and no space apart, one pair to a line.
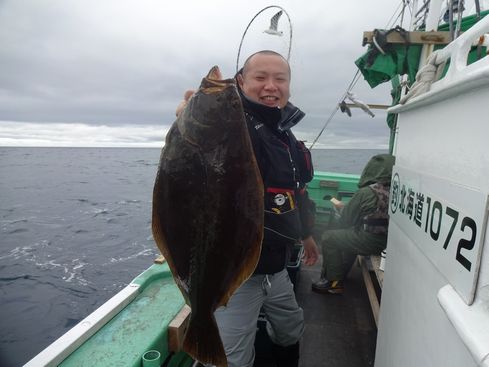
434,311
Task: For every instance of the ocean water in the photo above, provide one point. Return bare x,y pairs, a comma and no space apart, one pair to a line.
75,228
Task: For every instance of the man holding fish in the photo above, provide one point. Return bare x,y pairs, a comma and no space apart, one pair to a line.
285,167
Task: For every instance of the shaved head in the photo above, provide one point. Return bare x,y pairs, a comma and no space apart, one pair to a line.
263,52
265,78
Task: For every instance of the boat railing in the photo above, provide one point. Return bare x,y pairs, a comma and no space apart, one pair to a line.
457,52
460,76
55,353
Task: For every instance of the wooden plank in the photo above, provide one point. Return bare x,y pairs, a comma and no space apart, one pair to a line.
379,273
415,37
177,328
370,105
329,184
372,296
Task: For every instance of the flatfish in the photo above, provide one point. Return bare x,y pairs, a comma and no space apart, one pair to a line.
208,208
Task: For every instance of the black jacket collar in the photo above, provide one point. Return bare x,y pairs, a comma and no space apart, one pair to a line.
274,117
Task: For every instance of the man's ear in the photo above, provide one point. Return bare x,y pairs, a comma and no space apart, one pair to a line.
239,78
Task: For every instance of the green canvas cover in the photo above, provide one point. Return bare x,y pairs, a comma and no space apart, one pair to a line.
403,59
400,59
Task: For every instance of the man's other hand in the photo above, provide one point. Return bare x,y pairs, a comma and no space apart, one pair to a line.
311,251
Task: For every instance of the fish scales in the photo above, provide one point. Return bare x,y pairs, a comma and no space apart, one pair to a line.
208,208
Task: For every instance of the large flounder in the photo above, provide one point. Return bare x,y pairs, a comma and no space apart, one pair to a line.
208,208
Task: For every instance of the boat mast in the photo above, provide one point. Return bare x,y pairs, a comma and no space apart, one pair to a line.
414,5
434,9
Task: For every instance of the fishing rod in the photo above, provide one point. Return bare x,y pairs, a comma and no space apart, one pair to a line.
272,29
350,87
354,81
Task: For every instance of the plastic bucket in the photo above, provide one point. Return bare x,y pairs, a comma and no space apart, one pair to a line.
152,358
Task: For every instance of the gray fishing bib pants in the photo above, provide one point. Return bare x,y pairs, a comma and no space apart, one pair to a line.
237,321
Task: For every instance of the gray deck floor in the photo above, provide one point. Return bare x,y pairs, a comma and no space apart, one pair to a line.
340,329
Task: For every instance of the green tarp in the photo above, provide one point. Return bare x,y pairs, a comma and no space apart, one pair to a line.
400,59
403,59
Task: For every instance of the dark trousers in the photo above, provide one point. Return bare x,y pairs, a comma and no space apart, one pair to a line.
341,246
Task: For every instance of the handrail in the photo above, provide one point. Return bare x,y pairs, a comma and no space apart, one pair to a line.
471,323
61,348
458,50
459,77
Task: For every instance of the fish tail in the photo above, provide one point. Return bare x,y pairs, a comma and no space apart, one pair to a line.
203,342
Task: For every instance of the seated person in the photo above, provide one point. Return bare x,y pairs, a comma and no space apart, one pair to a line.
361,228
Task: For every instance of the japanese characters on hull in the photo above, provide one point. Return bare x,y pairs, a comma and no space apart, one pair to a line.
445,220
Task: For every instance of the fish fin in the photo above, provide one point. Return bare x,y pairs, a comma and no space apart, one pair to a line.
249,266
162,245
214,73
203,342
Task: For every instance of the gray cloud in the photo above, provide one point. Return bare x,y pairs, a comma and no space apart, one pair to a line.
79,134
128,63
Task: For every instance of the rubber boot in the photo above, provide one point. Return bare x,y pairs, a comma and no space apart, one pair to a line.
286,356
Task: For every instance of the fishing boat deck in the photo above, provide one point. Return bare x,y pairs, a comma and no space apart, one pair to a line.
340,329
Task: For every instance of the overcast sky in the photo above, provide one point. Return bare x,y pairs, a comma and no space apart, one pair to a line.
111,72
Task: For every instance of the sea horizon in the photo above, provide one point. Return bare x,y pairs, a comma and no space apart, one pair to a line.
75,224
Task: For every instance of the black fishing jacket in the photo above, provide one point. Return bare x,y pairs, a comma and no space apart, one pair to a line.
285,166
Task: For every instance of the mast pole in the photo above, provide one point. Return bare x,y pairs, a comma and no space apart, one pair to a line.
413,15
431,25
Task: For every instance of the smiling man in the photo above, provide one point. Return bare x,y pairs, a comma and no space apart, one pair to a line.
265,78
285,167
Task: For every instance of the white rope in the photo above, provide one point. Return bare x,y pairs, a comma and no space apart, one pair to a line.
374,40
424,78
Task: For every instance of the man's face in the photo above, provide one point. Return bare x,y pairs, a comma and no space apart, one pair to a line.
266,80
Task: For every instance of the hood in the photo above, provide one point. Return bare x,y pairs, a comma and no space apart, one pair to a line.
378,169
280,119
